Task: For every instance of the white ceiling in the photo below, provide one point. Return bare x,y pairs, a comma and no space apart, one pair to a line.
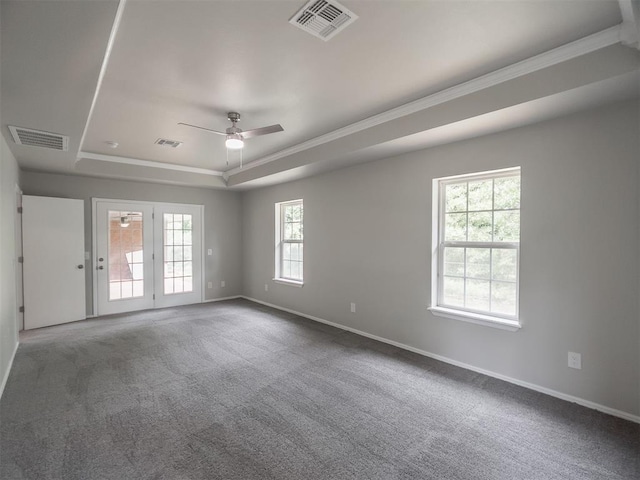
339,101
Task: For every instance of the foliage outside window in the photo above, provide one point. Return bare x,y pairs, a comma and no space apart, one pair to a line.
478,244
289,241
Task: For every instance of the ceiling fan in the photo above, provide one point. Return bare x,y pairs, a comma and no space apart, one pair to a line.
236,136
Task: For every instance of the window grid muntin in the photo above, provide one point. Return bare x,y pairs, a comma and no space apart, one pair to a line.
490,279
442,244
174,254
283,241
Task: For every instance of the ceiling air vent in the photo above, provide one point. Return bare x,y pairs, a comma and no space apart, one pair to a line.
168,143
37,138
323,19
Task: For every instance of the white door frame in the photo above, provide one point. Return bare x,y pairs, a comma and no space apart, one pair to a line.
94,240
19,273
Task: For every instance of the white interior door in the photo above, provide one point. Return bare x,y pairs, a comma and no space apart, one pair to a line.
54,265
178,247
124,257
148,255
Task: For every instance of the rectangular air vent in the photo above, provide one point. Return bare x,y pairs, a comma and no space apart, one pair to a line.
37,138
323,18
168,143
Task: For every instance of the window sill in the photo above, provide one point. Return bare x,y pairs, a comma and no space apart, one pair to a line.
486,320
285,281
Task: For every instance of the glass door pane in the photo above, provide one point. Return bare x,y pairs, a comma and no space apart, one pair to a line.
178,260
126,255
177,245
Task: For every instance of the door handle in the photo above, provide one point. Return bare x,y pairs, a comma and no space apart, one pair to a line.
81,266
100,267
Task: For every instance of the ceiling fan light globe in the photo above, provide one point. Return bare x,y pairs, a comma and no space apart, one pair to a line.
234,142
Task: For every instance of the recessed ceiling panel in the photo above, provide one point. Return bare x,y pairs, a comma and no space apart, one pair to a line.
194,61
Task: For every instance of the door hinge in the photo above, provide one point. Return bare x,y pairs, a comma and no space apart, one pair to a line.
21,309
153,256
19,209
153,216
154,296
20,259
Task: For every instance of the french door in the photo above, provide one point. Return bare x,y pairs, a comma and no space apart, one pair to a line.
147,255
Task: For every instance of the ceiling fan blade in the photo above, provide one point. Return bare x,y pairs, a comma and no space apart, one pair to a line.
262,131
202,128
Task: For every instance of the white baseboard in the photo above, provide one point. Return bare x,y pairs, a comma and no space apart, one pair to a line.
223,298
6,374
531,386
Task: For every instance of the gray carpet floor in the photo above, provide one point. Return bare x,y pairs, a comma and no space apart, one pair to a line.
235,390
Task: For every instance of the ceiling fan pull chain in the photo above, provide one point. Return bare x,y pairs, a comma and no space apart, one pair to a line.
227,150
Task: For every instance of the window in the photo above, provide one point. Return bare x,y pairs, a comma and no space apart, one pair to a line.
289,242
476,247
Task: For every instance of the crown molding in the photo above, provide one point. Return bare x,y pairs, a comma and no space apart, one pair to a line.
630,34
103,69
147,163
583,46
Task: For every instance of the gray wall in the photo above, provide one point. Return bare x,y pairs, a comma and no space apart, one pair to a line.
368,239
9,178
222,213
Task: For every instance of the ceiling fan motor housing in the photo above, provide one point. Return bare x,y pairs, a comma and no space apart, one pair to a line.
234,117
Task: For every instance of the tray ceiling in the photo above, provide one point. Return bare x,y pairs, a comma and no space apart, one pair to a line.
128,72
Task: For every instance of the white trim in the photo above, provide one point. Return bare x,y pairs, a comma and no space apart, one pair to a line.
203,255
438,305
285,281
478,319
280,242
103,69
630,33
19,266
501,172
591,43
221,299
6,374
144,202
94,249
531,386
147,163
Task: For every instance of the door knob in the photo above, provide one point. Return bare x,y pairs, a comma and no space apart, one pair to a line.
100,267
101,259
80,267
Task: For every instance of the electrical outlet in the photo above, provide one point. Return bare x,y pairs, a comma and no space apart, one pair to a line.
210,252
223,284
266,287
575,360
353,307
210,284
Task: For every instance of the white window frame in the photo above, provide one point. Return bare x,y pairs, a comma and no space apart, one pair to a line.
280,242
438,308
